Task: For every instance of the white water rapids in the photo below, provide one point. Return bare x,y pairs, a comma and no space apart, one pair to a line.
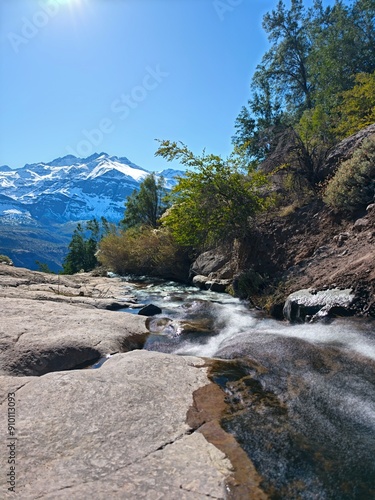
301,397
233,320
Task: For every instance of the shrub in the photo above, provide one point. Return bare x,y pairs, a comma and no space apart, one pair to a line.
248,283
215,201
353,185
4,259
144,251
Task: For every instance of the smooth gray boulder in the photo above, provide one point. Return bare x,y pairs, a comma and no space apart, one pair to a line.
216,264
200,281
312,305
206,283
37,337
116,432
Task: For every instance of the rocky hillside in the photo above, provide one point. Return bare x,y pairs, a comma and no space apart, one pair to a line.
312,247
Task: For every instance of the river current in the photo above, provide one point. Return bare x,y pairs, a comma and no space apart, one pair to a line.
301,397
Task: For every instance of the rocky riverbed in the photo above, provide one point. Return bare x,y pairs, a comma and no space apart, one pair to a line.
135,428
207,399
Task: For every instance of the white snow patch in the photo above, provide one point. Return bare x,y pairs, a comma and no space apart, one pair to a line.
12,211
108,165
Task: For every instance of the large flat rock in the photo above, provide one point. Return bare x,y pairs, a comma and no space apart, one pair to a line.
116,432
37,337
81,289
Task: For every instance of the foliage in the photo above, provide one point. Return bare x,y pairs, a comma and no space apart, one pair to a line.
143,250
84,245
146,206
215,200
307,83
6,260
357,109
248,283
43,267
353,185
286,62
343,45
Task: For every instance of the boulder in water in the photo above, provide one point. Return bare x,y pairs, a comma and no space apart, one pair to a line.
150,310
218,285
200,281
213,262
303,303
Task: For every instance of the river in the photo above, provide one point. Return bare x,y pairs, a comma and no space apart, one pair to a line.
301,397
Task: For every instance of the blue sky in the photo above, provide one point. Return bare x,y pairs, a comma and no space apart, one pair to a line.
85,76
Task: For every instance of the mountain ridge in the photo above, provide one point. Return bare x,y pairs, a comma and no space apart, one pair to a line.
82,188
52,195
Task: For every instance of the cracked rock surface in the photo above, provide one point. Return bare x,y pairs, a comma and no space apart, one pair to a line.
51,323
37,337
116,432
81,289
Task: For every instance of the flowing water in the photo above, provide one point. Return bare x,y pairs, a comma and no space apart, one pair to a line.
301,397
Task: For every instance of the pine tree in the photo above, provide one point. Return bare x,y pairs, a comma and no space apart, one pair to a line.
146,206
84,245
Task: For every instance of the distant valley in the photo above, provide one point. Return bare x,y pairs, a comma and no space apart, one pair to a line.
41,203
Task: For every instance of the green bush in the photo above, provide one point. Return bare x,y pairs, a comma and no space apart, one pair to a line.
144,251
215,201
248,283
353,185
4,259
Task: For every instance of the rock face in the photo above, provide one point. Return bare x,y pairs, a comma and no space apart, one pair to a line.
206,283
116,432
308,304
344,150
52,323
214,263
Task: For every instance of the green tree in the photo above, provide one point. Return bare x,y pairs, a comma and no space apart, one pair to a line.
43,267
75,259
146,206
357,109
315,54
286,62
84,245
343,45
280,86
214,201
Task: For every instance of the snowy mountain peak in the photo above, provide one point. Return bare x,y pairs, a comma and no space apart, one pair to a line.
72,189
65,161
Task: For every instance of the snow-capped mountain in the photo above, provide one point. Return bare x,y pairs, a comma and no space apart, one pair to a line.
41,203
72,189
